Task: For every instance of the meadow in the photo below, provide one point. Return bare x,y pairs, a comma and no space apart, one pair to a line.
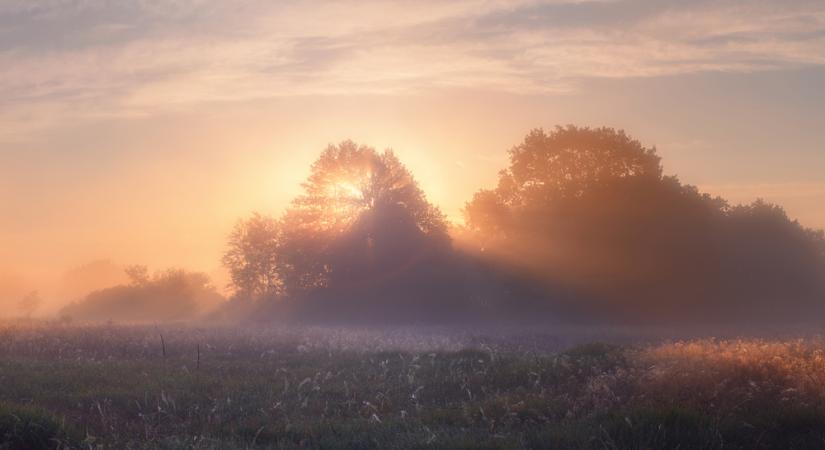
210,387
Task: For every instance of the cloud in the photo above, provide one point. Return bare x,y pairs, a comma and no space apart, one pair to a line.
70,60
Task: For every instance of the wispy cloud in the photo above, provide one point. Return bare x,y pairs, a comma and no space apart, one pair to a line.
91,57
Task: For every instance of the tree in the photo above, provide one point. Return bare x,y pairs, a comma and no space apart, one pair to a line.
29,303
252,257
564,193
361,224
772,258
566,163
353,196
138,274
590,209
348,180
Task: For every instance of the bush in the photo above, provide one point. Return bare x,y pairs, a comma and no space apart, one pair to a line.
168,296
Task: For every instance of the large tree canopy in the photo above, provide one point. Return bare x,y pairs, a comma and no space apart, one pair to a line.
591,209
566,164
361,226
581,218
361,210
348,180
570,162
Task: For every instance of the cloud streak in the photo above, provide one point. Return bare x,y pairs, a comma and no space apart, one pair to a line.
88,58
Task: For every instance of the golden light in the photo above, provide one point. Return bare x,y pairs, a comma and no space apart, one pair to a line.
345,200
346,189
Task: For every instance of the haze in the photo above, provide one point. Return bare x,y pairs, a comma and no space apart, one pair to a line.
141,131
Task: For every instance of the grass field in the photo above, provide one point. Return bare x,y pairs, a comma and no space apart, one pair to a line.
218,387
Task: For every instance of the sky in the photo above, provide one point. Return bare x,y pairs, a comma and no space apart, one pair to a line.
139,131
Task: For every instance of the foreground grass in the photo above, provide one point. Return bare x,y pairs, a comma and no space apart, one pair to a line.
122,387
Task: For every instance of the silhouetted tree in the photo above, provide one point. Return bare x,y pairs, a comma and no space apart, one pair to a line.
582,216
362,231
771,260
566,163
354,196
591,209
252,257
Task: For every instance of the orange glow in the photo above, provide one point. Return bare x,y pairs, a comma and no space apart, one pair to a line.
345,189
146,147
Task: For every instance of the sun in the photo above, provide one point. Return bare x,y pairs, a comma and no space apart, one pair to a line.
346,189
344,202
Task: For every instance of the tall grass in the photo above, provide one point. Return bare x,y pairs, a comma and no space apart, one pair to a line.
415,388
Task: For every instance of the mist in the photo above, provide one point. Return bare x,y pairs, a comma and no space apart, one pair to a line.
582,226
531,224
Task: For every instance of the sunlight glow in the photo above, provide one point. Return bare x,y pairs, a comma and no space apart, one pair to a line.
345,189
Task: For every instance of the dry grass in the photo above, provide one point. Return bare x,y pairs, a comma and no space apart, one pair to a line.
414,387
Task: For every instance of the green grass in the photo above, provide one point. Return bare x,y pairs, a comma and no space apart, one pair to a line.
339,389
31,428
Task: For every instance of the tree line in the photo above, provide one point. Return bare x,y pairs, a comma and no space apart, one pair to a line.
582,224
582,221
